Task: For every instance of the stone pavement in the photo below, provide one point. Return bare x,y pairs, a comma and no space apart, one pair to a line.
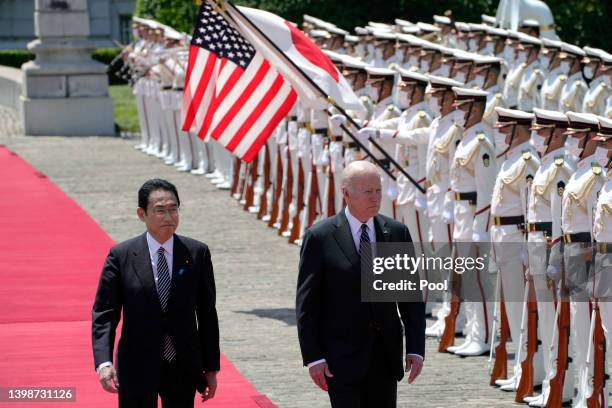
255,270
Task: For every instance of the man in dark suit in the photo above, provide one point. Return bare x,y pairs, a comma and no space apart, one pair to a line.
354,349
164,285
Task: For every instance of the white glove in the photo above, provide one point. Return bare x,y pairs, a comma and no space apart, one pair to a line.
337,119
447,216
367,132
392,191
553,272
479,236
420,203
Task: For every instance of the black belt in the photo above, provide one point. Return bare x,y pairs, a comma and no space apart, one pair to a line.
352,145
514,220
335,138
469,196
577,237
604,247
320,131
293,118
178,89
545,227
167,87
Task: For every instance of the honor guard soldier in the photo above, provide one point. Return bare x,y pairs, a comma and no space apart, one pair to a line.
574,89
444,135
508,228
579,198
530,86
602,290
471,180
544,226
556,76
515,72
597,72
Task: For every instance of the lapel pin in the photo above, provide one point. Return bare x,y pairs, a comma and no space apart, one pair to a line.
181,271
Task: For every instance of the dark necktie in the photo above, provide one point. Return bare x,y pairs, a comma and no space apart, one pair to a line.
365,248
163,290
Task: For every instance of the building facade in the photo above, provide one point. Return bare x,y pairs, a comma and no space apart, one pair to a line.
110,22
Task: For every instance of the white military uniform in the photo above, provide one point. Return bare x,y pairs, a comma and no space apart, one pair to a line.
551,89
579,200
597,95
471,174
530,86
547,188
509,199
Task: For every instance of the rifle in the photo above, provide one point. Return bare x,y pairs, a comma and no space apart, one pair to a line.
499,369
448,336
288,192
599,359
313,196
555,398
277,188
530,320
235,177
263,206
251,179
331,193
295,227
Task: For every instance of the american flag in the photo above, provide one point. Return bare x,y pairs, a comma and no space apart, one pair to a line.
232,93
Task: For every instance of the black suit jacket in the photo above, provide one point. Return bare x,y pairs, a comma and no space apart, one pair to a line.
332,321
127,285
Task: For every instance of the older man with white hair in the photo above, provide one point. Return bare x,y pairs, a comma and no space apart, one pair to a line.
354,349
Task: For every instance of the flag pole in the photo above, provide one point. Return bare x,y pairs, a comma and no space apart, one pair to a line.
340,109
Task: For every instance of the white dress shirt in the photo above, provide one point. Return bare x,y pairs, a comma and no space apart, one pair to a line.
153,248
355,226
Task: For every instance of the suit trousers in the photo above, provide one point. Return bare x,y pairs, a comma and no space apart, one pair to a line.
377,389
175,391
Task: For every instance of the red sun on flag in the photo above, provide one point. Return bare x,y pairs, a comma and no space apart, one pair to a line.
311,52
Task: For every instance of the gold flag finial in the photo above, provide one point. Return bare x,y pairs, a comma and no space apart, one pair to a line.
219,5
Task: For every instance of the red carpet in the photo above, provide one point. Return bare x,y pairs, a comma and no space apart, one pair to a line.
52,252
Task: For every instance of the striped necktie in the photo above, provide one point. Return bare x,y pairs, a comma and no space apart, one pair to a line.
365,248
163,290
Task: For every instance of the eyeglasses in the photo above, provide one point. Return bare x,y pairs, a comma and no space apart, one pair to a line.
161,212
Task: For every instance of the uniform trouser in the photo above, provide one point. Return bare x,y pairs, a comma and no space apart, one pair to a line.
538,260
508,249
477,290
273,156
142,119
282,156
173,136
185,145
336,162
417,224
223,160
440,244
306,163
153,113
258,188
576,278
293,205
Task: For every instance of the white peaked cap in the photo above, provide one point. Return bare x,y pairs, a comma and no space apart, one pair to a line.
587,118
488,19
550,115
405,73
438,80
442,19
380,71
459,91
572,49
428,27
513,113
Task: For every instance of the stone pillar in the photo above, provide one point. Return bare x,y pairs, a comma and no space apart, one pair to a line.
65,92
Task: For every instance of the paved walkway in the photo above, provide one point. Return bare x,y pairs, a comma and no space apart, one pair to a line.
255,270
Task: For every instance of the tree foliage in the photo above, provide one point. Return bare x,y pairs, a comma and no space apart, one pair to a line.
581,22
